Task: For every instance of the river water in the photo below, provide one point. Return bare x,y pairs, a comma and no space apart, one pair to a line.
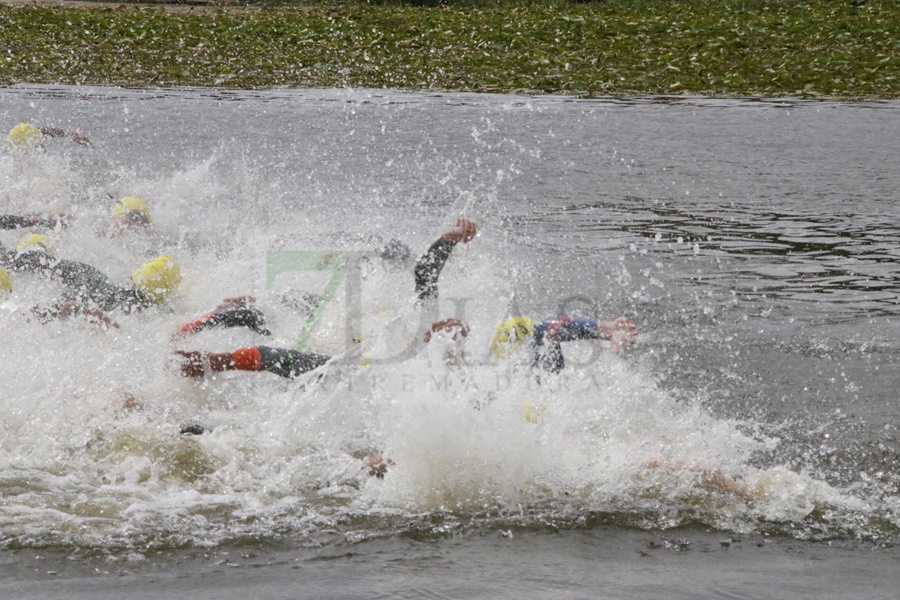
746,446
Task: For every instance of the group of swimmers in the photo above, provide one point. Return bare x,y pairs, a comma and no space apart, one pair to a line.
90,294
542,339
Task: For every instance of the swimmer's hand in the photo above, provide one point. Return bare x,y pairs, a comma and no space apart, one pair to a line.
463,231
456,328
377,465
194,363
619,332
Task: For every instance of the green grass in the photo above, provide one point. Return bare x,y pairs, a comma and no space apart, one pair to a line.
823,48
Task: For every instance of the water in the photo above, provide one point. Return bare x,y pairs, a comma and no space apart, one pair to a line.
750,435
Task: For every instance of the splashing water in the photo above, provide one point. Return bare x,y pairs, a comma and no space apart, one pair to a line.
90,449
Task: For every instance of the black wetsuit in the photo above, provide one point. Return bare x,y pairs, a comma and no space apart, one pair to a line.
289,363
230,316
281,361
545,342
14,222
429,266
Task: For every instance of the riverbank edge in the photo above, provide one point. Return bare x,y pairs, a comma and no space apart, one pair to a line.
831,49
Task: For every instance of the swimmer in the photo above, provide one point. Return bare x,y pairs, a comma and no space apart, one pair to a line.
239,312
542,340
280,361
130,212
24,137
89,292
375,465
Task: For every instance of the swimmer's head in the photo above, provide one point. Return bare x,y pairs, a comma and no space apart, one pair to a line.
396,254
24,138
130,211
5,283
36,242
509,335
157,278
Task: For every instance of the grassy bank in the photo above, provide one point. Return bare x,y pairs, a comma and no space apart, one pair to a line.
828,48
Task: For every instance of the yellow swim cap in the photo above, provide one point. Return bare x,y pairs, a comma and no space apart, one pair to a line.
158,277
36,241
24,138
131,204
510,335
534,410
5,281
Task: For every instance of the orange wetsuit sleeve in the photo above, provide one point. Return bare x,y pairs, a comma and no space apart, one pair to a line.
193,326
247,359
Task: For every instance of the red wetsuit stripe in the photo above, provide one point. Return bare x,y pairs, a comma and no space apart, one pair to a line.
247,359
552,329
193,326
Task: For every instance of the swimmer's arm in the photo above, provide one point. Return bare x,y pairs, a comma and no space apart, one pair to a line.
619,331
454,327
35,220
227,314
51,220
71,308
75,135
429,266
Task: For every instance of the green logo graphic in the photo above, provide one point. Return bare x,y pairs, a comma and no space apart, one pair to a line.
331,261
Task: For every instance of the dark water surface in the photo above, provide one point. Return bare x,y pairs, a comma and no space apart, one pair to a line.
746,447
601,562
